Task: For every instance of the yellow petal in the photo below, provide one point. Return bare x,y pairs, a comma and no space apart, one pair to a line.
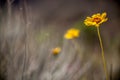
96,15
56,50
104,15
68,36
72,33
96,19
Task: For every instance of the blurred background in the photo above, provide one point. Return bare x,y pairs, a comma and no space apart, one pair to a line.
30,29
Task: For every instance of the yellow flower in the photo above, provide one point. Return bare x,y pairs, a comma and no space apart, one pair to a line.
72,33
56,50
96,19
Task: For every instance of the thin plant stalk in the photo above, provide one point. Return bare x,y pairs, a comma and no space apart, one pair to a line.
78,48
103,55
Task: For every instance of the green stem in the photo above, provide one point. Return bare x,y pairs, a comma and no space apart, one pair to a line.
103,55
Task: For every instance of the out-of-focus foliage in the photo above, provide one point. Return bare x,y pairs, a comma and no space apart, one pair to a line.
35,29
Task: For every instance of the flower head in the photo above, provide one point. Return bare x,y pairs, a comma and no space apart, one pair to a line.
96,19
56,50
72,33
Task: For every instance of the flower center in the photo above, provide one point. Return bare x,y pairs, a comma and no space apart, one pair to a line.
97,20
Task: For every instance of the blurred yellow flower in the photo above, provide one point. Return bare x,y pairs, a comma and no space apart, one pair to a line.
72,33
56,50
96,19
